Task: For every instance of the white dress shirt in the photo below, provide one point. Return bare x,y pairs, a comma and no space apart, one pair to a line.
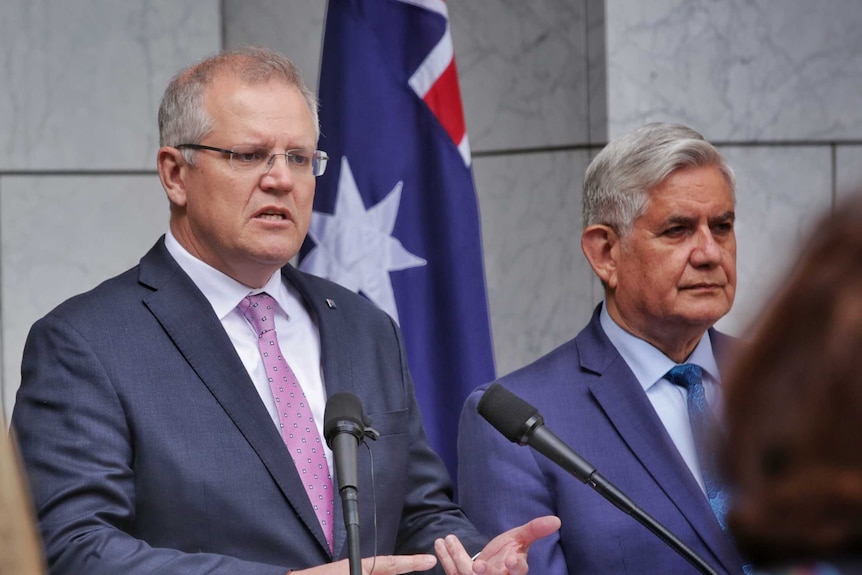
298,336
649,366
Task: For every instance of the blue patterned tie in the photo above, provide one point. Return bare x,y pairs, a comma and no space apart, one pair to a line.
703,425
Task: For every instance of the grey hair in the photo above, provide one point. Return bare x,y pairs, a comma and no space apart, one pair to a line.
183,118
618,180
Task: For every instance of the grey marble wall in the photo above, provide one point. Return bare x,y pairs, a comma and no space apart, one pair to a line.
80,84
739,70
775,83
532,113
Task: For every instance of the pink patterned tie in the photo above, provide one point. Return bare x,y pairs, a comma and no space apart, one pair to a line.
298,429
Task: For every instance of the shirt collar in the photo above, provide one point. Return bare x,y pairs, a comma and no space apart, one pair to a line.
222,291
646,361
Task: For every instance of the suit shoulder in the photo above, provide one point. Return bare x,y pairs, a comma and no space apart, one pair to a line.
334,296
110,295
572,364
106,293
560,364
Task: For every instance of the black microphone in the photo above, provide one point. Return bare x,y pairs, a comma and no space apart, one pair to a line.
521,423
344,428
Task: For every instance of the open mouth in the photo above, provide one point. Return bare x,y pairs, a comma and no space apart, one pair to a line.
272,216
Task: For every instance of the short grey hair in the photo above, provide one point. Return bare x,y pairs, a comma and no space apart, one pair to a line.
183,118
618,180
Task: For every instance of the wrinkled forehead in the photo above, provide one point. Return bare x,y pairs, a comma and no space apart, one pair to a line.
271,107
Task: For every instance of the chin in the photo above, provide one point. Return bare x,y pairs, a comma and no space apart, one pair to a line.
707,317
275,252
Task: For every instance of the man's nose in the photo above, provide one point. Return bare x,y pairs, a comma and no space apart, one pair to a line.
707,249
278,172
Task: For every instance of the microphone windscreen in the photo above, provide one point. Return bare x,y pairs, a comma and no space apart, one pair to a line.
507,412
343,407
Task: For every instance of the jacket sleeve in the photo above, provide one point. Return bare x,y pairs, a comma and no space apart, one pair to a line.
501,486
79,455
429,511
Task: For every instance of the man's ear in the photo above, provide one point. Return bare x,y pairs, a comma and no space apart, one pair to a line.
173,170
601,246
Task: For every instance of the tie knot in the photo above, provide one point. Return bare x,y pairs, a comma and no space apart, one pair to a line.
259,309
687,375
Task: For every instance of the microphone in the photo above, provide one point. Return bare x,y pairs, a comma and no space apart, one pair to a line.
521,423
344,428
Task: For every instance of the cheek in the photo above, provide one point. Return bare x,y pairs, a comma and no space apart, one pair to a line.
304,206
730,263
656,269
730,271
216,210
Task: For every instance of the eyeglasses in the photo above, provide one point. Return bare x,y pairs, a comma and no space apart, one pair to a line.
258,159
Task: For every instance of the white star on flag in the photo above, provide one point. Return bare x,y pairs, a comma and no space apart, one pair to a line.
355,247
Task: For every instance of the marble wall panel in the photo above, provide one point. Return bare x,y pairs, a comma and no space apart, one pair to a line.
848,171
597,72
62,235
540,287
292,27
738,70
82,79
522,68
781,190
521,65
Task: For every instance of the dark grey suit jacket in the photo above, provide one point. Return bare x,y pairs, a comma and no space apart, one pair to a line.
591,399
149,450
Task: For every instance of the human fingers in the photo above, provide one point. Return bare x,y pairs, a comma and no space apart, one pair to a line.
397,564
536,529
453,557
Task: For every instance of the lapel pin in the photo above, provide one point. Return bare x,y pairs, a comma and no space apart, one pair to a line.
330,304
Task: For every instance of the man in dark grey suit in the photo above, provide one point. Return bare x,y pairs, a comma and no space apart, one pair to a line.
659,210
152,423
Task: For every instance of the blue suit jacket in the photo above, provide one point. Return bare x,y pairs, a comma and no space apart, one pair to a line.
149,450
590,398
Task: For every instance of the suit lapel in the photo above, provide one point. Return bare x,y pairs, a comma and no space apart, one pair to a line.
334,338
626,405
208,350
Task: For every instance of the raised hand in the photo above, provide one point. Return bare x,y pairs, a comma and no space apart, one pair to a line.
506,554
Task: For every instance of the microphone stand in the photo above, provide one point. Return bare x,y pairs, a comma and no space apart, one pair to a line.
521,423
349,500
350,505
542,440
344,428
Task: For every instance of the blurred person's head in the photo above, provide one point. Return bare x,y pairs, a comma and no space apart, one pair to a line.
658,214
793,408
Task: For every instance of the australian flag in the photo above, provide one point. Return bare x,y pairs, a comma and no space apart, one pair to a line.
395,215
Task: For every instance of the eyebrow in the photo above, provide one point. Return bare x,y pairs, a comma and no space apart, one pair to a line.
728,216
678,220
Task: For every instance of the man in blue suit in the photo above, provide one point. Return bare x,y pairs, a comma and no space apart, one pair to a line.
151,414
658,211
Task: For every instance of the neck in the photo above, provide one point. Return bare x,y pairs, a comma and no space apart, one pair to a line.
675,342
249,273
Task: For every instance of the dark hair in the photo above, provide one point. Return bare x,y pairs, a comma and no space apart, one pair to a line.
793,408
